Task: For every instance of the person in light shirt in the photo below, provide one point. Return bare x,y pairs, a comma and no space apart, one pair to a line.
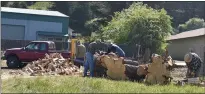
194,64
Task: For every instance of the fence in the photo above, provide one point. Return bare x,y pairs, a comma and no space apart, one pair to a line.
7,44
130,50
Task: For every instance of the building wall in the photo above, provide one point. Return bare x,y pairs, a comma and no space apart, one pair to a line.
178,48
35,23
7,32
31,27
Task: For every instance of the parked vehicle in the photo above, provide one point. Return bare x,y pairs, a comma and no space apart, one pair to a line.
19,57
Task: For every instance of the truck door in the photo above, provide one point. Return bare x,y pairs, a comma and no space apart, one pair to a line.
42,50
28,53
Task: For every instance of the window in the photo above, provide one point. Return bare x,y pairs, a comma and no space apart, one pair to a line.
51,46
43,47
42,38
32,46
36,47
50,39
59,39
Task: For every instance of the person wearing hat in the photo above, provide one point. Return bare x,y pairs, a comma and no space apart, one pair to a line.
193,62
115,49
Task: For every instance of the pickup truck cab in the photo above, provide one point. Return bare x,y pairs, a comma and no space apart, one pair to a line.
18,57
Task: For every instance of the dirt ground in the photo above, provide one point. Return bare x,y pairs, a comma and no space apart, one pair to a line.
6,72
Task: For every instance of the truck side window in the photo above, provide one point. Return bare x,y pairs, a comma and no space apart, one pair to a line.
30,46
36,47
43,47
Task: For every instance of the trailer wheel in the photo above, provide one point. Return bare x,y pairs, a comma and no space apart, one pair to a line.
12,62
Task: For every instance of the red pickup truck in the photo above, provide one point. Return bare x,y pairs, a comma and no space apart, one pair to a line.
18,57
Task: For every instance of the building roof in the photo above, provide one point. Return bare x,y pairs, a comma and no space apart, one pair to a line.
188,34
32,11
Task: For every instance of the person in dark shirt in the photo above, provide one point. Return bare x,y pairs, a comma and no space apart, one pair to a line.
115,49
93,47
193,62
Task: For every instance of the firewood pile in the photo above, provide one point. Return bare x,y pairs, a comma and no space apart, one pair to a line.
53,64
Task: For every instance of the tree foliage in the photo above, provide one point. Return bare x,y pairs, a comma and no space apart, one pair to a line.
95,25
191,24
20,4
42,5
140,24
81,12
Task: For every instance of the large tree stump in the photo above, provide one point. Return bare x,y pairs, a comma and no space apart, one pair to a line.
115,68
157,71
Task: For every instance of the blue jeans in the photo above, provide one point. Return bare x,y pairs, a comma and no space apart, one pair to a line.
89,64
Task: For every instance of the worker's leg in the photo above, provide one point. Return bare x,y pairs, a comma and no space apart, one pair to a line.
91,64
86,66
188,73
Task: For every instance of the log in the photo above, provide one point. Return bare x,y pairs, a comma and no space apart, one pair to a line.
131,62
142,70
131,73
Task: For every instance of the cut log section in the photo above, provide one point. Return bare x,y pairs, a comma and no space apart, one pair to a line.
157,71
115,68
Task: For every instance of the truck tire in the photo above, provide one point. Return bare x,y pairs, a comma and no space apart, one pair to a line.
12,62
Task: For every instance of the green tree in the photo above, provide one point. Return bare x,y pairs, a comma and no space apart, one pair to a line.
95,25
140,24
42,6
191,24
16,4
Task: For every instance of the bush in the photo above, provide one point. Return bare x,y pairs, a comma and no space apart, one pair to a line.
191,24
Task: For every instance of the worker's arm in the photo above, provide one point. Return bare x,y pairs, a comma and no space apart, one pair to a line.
120,51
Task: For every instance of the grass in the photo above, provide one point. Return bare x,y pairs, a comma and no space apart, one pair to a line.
68,84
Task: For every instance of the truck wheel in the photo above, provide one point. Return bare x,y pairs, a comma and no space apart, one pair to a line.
12,62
